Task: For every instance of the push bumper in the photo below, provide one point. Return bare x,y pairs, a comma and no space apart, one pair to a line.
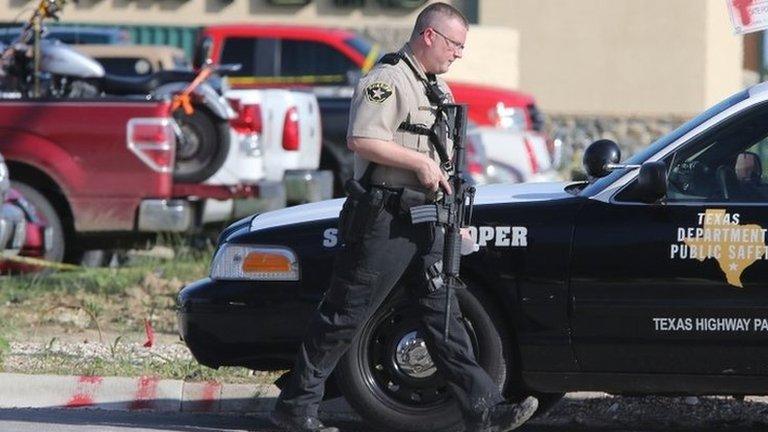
221,330
306,186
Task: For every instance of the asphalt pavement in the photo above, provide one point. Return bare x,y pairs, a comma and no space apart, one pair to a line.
87,420
93,403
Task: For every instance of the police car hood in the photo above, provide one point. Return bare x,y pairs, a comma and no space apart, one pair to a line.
486,195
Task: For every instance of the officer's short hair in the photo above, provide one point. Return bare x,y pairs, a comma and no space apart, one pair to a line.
434,13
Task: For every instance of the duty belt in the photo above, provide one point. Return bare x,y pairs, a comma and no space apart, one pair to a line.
401,200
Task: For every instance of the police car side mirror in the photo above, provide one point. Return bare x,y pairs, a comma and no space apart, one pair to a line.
652,182
600,157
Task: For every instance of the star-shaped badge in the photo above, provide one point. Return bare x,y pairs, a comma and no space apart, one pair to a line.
378,92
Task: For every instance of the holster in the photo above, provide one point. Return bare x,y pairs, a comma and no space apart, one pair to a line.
360,211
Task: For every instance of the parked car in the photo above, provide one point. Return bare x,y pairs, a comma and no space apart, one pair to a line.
515,156
136,60
650,278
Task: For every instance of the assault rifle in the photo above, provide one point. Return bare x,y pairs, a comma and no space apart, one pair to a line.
453,211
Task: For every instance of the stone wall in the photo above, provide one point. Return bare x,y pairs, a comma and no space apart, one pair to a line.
577,132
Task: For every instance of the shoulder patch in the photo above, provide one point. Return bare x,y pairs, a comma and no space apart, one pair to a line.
378,92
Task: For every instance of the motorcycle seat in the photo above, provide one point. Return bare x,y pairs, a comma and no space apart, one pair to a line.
122,85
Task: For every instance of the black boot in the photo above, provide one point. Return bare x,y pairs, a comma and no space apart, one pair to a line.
290,423
503,417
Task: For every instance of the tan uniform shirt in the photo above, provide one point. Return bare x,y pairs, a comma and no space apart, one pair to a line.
387,96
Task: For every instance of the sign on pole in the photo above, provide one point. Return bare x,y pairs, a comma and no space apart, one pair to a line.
748,15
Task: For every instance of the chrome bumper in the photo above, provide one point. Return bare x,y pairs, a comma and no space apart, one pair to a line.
165,215
305,186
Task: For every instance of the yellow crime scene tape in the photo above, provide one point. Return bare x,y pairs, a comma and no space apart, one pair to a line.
304,79
370,60
41,263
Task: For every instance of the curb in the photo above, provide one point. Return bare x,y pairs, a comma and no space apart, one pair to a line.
147,393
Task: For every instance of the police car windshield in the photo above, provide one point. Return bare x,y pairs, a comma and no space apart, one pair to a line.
666,140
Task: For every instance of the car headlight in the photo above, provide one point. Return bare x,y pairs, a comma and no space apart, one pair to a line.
251,262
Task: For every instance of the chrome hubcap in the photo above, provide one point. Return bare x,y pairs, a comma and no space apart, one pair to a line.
413,358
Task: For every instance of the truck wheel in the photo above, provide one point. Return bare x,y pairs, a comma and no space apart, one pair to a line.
396,395
203,147
48,216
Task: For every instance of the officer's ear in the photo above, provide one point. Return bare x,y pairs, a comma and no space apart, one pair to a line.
428,36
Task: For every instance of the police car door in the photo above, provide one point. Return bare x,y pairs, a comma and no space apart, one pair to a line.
680,286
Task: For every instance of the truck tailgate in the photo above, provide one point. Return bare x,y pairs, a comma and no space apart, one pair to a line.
276,106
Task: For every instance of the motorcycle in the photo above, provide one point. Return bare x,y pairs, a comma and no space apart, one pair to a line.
34,67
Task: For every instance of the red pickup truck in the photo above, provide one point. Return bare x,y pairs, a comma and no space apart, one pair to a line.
99,173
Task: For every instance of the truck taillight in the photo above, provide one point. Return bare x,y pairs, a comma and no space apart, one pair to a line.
248,120
474,160
153,142
531,155
291,138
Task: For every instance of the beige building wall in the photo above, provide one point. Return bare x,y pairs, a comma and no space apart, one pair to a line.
724,51
201,12
491,57
622,57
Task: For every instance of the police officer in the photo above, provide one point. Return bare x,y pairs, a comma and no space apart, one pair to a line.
394,128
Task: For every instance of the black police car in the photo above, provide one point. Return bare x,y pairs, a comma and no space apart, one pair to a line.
651,278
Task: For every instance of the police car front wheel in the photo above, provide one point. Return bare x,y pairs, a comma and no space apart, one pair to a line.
387,374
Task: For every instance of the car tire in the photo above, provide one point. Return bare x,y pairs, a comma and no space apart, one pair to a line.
205,147
47,215
370,380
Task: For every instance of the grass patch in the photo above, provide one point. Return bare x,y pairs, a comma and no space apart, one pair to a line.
91,321
128,360
105,299
4,348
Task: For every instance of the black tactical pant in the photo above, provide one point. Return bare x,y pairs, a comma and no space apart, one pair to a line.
365,271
